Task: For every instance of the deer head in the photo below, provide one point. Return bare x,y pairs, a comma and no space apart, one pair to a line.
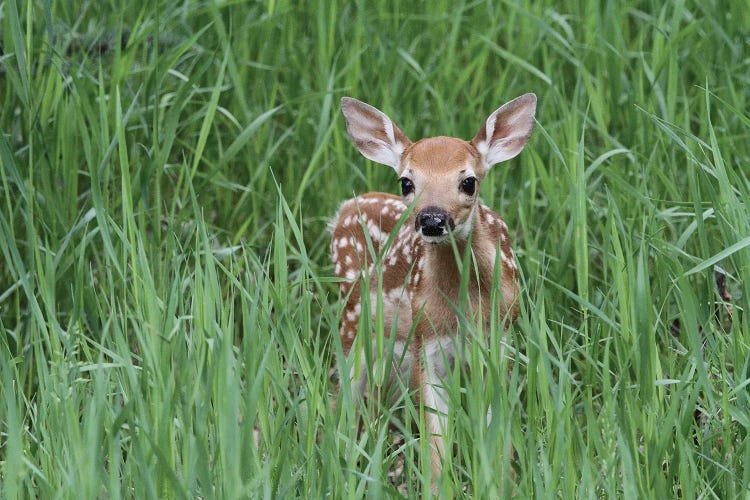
441,175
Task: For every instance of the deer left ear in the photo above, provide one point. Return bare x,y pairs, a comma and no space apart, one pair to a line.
373,133
506,131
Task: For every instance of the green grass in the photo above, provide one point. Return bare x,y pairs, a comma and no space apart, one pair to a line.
168,169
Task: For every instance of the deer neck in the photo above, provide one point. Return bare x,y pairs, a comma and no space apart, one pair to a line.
442,277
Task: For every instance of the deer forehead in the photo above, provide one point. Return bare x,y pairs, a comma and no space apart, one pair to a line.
440,156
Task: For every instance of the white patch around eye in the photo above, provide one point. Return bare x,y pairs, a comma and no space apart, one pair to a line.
469,172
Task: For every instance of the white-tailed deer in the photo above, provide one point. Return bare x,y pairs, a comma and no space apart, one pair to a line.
419,273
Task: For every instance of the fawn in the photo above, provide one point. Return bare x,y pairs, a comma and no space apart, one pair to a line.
419,275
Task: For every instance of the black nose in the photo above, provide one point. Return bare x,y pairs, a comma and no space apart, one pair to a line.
433,220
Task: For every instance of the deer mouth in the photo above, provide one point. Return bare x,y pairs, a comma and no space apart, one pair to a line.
436,240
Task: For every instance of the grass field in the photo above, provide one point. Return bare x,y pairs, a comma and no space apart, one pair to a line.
168,169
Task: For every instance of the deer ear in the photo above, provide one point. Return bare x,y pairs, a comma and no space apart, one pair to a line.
506,131
373,133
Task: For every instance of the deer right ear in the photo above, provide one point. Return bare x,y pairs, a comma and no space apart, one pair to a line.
373,133
506,131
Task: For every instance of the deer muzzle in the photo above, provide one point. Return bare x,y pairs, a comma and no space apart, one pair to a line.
433,222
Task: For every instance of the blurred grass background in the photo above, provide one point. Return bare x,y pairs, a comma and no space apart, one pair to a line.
168,169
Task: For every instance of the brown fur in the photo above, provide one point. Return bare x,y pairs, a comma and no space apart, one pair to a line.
408,250
419,275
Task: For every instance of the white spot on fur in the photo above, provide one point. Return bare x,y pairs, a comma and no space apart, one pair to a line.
407,252
508,260
368,201
352,315
392,259
512,260
375,233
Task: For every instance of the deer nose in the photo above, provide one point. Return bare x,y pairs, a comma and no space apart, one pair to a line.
433,221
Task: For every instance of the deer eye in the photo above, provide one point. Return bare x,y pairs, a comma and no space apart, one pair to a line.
407,186
469,185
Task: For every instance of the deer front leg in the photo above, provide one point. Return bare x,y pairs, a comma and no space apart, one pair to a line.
437,360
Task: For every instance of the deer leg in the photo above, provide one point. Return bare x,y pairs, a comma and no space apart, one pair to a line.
437,360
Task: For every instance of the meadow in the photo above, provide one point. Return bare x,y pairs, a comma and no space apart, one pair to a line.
166,291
